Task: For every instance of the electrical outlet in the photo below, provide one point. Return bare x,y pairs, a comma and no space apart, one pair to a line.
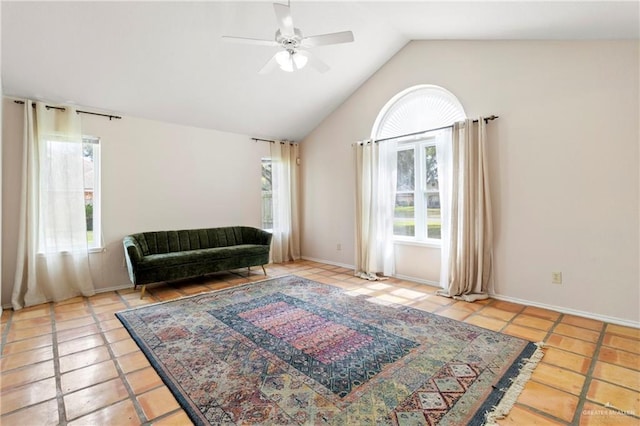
339,247
556,277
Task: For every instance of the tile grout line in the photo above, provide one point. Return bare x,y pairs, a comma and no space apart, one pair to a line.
510,321
589,376
5,332
584,389
112,358
479,313
620,365
544,340
9,323
123,377
557,321
62,411
589,379
165,415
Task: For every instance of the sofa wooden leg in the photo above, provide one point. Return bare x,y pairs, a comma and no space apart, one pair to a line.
144,287
263,270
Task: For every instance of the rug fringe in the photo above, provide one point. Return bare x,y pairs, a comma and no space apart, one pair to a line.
501,410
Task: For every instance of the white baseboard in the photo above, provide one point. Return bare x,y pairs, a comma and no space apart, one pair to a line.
97,291
591,315
585,314
417,280
344,265
328,262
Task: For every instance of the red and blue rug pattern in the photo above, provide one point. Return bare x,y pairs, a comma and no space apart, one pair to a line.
293,351
333,349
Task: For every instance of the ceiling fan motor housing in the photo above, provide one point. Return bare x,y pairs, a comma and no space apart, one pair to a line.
290,42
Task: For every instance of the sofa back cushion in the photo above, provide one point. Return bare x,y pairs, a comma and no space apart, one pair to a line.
161,242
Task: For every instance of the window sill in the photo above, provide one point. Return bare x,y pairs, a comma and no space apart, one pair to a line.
430,244
71,252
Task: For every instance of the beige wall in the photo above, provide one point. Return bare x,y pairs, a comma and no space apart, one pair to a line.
155,176
1,121
563,166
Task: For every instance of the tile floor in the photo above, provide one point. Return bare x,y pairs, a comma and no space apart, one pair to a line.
72,363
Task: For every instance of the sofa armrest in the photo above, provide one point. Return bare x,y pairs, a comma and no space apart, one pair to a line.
132,249
263,237
132,254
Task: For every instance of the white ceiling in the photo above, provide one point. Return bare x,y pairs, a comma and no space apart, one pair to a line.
167,61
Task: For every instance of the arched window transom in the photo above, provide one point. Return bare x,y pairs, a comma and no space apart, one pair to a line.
416,109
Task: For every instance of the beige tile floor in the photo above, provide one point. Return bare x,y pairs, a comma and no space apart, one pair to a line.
73,363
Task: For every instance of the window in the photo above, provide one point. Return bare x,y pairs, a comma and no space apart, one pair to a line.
267,195
417,215
417,206
91,168
69,195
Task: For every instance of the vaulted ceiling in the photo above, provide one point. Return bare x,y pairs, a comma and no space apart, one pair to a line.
167,60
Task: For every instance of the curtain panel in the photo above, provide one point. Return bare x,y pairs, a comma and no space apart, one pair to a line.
52,258
467,230
285,243
376,169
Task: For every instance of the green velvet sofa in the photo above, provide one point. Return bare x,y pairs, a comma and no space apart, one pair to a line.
171,255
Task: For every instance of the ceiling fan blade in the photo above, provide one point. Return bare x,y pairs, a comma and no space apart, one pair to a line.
285,22
314,62
254,41
269,66
324,39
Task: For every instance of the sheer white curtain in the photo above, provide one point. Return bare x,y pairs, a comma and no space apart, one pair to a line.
53,262
445,175
285,244
467,231
376,169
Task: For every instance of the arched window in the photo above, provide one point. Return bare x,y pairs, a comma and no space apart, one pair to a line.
420,108
416,109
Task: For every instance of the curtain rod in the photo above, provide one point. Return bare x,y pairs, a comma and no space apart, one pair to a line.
492,117
271,141
77,111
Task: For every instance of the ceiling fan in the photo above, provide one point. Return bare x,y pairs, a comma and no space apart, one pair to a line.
293,55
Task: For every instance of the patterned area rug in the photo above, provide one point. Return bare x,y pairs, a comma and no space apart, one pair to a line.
293,351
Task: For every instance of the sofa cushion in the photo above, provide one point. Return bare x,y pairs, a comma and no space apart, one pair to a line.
201,256
161,242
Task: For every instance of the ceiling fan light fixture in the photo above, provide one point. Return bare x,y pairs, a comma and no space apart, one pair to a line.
300,59
290,61
283,58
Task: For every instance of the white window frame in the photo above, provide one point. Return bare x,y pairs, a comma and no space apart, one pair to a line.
97,244
262,162
420,192
415,109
